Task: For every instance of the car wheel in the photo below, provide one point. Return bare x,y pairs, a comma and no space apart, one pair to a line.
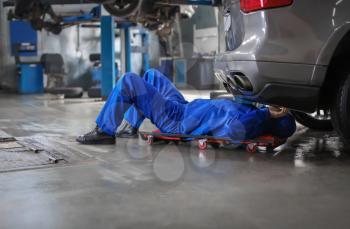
94,92
340,108
123,8
320,120
68,92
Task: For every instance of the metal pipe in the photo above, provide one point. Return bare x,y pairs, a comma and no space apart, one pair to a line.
191,2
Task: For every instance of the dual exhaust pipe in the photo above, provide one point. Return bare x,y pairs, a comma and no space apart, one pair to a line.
234,82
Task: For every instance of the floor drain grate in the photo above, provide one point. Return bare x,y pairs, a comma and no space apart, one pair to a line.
25,154
4,137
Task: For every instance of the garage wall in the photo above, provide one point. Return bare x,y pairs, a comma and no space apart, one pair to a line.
7,63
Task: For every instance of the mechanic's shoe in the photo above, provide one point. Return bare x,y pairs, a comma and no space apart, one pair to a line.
125,130
96,137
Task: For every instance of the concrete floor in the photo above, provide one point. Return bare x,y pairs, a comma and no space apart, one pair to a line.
131,185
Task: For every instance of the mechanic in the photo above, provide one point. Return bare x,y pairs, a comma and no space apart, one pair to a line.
156,98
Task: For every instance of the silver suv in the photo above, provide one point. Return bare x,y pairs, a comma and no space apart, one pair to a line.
293,53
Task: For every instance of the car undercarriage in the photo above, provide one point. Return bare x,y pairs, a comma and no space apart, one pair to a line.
153,15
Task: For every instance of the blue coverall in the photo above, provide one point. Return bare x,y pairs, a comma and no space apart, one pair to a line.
155,97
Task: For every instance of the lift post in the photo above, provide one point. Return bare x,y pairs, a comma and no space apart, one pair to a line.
127,46
145,52
126,49
107,55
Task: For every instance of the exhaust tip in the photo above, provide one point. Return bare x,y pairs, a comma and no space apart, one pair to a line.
236,82
242,82
220,75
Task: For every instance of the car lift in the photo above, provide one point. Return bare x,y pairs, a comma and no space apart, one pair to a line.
107,46
108,38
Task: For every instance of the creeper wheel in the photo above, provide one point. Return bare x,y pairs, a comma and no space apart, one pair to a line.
251,148
202,144
150,140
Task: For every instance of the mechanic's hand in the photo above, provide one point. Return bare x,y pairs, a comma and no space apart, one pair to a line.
278,112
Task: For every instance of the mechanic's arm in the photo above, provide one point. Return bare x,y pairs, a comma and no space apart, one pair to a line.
251,125
278,112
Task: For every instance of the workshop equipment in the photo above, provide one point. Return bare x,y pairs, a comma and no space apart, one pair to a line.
95,90
23,39
53,65
30,78
252,146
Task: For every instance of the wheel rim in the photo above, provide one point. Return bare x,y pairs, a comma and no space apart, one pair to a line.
202,145
318,115
122,8
122,5
321,115
251,148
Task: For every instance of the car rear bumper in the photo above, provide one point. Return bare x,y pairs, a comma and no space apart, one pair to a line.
297,97
286,84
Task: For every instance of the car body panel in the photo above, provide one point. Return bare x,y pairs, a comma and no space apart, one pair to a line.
291,45
263,72
291,34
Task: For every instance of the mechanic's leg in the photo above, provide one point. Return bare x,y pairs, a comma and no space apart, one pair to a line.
134,117
133,90
163,86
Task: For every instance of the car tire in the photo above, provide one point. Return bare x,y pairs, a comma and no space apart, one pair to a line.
94,92
95,57
130,9
311,122
340,107
68,92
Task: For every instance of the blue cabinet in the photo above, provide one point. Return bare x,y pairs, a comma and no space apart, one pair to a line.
30,79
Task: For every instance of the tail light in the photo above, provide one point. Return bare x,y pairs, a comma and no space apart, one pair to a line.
254,5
